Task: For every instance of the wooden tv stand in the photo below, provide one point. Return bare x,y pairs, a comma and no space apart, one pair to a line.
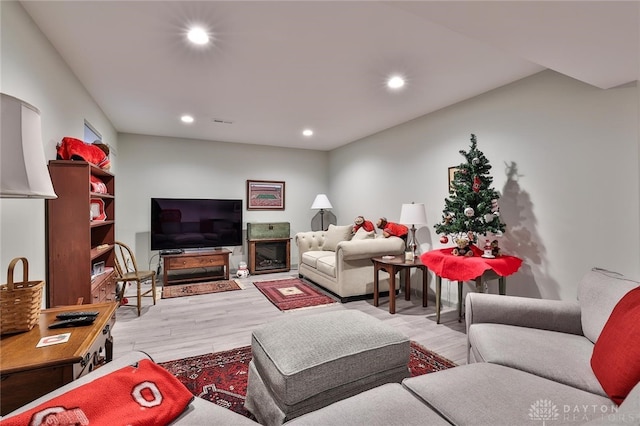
205,265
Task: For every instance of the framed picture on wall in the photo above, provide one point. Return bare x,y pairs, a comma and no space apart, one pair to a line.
265,195
452,176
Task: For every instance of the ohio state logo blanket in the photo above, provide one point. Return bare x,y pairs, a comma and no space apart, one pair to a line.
142,394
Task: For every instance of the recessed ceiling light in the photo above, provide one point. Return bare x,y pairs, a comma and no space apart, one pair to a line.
307,132
395,82
186,119
198,35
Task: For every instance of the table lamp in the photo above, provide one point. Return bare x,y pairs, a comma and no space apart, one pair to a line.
23,167
321,202
413,214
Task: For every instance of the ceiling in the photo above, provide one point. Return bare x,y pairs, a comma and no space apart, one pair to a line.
277,67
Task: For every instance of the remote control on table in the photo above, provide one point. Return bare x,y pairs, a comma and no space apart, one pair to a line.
73,322
69,315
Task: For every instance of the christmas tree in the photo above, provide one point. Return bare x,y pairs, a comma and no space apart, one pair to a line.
472,208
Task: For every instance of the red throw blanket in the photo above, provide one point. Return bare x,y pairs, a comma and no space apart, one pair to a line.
145,394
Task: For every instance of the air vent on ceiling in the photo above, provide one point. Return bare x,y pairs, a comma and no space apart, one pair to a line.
221,121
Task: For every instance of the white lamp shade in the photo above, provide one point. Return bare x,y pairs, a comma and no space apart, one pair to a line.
23,167
413,214
321,202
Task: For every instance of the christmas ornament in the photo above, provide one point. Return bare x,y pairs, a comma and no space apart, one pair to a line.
444,239
468,212
475,161
494,205
488,217
476,184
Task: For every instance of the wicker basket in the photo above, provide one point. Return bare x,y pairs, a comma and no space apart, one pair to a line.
20,303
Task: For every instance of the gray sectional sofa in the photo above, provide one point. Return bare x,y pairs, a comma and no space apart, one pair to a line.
529,364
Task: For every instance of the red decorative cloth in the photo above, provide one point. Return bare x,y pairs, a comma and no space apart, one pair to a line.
145,394
462,268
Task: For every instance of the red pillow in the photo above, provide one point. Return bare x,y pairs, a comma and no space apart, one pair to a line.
616,354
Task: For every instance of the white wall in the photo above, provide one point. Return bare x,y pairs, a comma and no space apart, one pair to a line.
573,203
564,157
34,72
151,166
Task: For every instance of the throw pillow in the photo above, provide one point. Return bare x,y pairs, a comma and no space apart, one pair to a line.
361,234
335,234
616,358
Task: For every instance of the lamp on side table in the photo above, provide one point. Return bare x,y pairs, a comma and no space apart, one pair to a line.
413,214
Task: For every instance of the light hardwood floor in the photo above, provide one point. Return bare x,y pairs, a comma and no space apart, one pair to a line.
195,325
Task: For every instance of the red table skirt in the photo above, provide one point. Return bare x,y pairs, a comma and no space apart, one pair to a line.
461,268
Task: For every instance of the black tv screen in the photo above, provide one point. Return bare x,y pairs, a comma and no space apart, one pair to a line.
189,223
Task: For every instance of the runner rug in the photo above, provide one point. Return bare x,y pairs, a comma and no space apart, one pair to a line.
179,290
292,293
221,377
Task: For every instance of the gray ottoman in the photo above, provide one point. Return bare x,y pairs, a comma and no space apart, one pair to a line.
301,364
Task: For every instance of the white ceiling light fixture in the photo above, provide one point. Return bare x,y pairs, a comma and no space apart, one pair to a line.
395,82
307,132
198,35
188,119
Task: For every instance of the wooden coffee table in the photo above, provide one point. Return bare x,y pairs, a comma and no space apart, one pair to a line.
392,266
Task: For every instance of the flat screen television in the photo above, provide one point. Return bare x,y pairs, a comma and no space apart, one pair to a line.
190,223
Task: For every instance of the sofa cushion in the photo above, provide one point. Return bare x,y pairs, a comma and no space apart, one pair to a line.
389,404
616,354
490,394
311,257
599,291
561,357
361,234
335,234
327,265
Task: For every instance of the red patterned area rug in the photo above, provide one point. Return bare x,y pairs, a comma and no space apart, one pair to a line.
292,293
179,290
221,377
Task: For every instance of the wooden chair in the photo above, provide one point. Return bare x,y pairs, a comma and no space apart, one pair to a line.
127,271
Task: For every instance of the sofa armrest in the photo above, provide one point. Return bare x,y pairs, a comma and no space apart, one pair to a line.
366,249
553,315
309,241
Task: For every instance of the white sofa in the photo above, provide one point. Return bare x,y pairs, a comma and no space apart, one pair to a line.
341,262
